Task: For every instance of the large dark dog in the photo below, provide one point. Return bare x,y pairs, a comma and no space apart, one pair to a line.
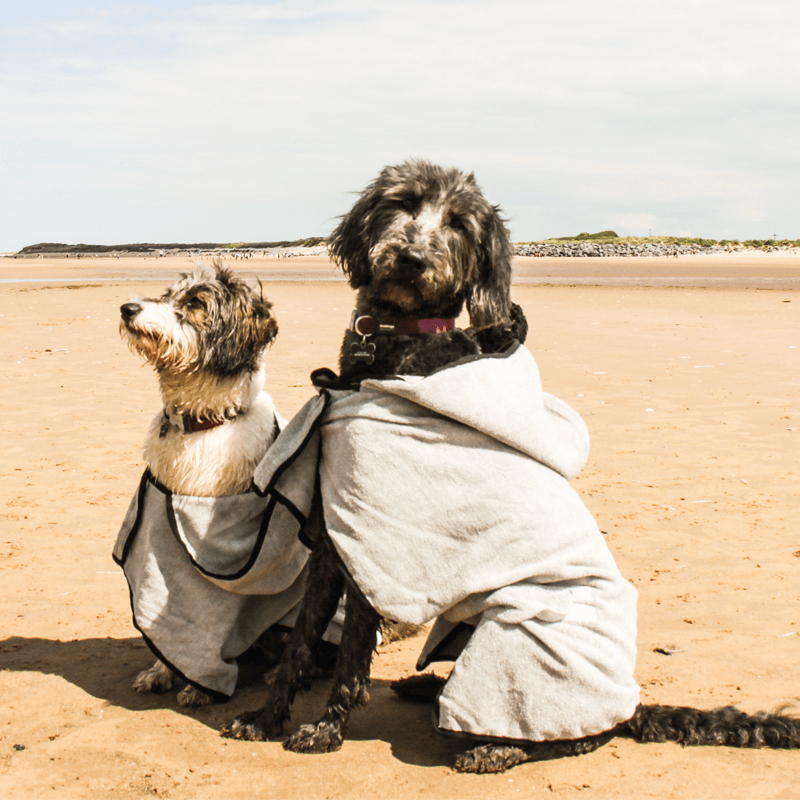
420,242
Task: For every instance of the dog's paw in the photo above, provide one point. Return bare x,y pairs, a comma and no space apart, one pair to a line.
489,758
320,738
156,680
192,696
254,726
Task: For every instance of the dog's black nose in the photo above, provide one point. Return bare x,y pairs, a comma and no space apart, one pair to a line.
410,262
129,311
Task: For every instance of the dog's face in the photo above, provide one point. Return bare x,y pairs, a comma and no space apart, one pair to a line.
420,240
208,321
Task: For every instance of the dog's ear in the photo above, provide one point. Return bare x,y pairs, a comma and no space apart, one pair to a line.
489,297
265,326
350,242
237,344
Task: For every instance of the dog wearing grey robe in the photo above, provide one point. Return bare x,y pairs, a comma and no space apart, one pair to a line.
443,494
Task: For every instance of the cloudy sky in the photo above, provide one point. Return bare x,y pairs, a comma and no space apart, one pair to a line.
232,121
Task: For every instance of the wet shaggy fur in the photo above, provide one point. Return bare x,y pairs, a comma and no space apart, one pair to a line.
420,242
206,337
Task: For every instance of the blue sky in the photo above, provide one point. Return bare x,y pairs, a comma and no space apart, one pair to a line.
233,121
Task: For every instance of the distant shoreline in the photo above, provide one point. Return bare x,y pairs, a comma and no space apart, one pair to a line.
156,251
572,249
173,248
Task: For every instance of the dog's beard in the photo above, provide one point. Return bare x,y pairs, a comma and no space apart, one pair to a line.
432,291
163,352
148,346
401,293
403,297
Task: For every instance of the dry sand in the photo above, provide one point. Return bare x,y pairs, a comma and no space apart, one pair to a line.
691,398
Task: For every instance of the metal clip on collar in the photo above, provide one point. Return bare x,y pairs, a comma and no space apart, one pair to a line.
362,351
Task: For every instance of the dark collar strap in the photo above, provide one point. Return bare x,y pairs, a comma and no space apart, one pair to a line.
186,423
368,326
194,424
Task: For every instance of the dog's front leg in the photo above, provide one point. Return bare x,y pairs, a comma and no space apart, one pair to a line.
351,680
326,583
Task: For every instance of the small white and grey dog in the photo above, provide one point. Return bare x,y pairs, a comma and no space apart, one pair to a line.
206,336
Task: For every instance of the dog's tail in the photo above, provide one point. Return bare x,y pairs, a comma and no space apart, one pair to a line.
725,727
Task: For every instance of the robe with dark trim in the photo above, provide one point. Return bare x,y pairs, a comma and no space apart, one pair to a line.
208,575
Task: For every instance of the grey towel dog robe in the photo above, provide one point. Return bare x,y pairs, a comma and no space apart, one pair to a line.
447,498
208,575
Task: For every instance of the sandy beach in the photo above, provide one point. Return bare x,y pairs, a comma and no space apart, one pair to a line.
687,372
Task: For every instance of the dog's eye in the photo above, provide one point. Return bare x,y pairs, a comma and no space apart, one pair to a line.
456,223
196,304
408,204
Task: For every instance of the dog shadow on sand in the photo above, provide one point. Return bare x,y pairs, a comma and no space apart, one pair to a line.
105,668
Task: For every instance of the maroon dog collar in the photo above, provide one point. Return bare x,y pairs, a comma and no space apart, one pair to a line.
369,326
186,423
194,424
